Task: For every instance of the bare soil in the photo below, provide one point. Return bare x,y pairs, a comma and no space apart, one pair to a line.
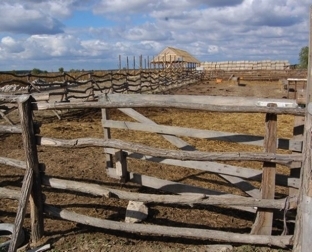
88,165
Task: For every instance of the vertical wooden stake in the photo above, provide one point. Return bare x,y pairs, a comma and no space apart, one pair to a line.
107,135
32,181
121,166
303,227
264,218
296,166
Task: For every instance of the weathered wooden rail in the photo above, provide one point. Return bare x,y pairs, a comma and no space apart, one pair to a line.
256,75
187,156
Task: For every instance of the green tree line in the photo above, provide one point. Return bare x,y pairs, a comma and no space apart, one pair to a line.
304,57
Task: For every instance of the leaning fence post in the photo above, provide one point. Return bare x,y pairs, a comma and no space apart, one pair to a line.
264,218
31,187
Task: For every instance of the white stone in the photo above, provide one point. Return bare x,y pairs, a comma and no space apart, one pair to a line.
136,212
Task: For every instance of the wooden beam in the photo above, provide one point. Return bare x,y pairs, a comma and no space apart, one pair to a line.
16,129
206,103
264,219
280,241
214,167
183,199
167,153
199,133
303,227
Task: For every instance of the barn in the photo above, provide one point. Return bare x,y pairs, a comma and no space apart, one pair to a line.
174,58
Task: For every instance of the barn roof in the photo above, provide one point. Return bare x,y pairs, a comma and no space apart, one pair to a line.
171,54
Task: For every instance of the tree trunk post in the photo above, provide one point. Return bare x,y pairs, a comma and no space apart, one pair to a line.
31,187
264,218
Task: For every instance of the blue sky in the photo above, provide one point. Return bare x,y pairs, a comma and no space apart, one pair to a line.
91,34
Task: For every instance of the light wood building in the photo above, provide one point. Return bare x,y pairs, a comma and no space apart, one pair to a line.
174,58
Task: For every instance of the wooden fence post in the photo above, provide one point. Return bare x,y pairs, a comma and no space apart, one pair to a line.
303,227
107,135
32,181
121,166
296,166
264,218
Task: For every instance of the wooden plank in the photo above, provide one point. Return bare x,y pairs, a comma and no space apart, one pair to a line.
217,104
172,139
2,114
296,79
280,241
175,187
198,133
243,185
183,199
167,153
264,219
6,193
13,162
303,227
199,99
14,98
16,129
218,168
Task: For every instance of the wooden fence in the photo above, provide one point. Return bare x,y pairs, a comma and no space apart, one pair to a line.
119,151
256,75
87,85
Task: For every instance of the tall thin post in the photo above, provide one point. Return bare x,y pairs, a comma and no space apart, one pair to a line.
141,62
107,135
127,63
303,227
31,187
264,218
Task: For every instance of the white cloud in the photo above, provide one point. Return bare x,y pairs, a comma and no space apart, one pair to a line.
148,31
9,45
215,30
17,18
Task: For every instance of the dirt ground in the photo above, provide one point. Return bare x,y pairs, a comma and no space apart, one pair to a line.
88,165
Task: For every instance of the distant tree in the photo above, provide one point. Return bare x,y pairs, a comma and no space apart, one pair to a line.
61,70
304,57
36,71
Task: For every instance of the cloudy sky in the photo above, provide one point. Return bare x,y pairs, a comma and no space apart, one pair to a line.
91,34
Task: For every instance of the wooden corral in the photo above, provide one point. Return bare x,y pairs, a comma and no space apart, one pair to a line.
177,193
